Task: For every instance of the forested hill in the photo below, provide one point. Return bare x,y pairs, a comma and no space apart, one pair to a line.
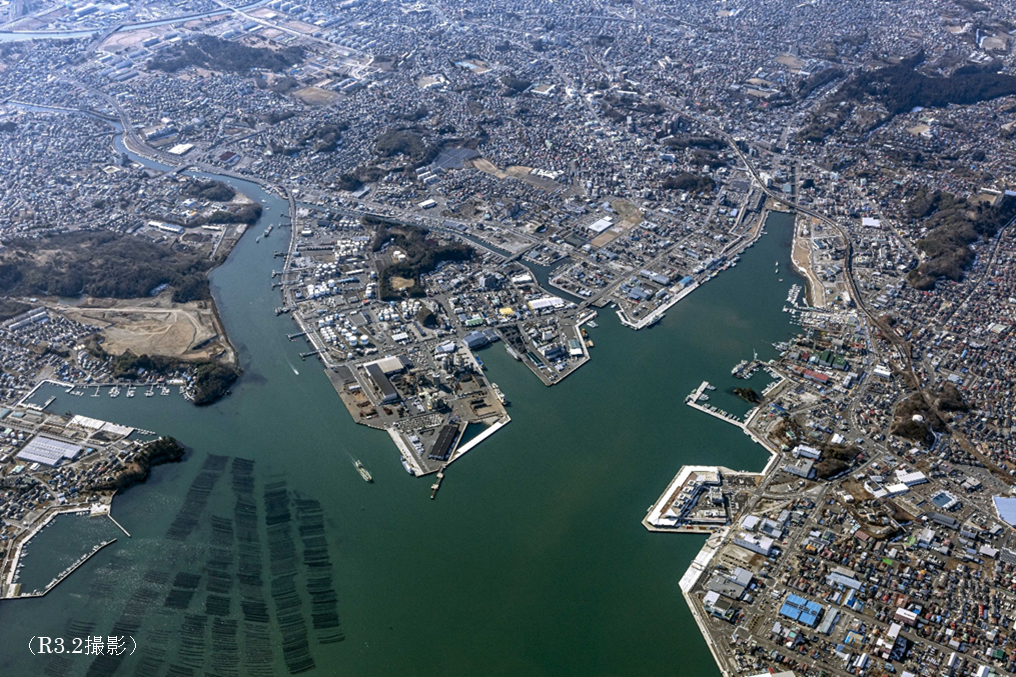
207,51
101,264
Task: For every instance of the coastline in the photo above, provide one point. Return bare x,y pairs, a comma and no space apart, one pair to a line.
135,473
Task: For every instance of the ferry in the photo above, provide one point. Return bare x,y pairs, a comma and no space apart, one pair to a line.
500,395
364,473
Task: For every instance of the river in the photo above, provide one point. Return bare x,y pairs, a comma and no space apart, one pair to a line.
531,561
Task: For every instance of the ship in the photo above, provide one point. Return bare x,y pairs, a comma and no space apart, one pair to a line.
500,395
268,230
739,368
364,473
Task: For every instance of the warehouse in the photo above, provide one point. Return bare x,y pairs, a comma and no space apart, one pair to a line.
384,386
443,446
48,451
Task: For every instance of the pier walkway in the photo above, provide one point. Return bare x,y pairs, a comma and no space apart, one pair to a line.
692,401
13,591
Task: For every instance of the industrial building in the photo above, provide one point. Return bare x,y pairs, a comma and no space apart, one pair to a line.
48,451
388,392
443,446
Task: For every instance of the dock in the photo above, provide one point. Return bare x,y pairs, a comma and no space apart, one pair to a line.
437,484
12,591
692,401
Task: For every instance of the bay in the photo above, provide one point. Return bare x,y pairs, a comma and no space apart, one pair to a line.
532,559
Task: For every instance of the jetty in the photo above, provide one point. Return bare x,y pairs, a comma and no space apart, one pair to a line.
693,401
13,591
437,484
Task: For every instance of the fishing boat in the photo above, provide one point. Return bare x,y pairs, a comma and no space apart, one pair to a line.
497,391
364,473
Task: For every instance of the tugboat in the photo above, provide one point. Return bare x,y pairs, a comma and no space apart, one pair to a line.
364,473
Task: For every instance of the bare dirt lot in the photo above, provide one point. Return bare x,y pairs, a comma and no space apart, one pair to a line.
400,283
315,96
153,326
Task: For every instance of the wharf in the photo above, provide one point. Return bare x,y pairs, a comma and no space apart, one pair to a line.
13,591
692,401
655,316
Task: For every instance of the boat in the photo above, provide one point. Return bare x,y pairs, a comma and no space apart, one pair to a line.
405,464
592,324
114,391
268,230
257,239
710,386
364,473
500,395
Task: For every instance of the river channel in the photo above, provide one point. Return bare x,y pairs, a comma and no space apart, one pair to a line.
531,561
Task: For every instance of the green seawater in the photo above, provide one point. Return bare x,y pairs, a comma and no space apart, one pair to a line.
531,561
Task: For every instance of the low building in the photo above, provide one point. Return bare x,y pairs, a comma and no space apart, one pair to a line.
763,545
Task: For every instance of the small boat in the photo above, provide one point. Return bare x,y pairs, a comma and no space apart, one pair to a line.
592,324
258,239
497,391
364,473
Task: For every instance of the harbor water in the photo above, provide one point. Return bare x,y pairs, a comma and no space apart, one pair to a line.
531,561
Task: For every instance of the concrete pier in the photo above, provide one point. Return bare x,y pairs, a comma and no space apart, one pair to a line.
12,593
692,401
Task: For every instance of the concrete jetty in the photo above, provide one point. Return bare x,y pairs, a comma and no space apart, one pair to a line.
692,401
13,591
